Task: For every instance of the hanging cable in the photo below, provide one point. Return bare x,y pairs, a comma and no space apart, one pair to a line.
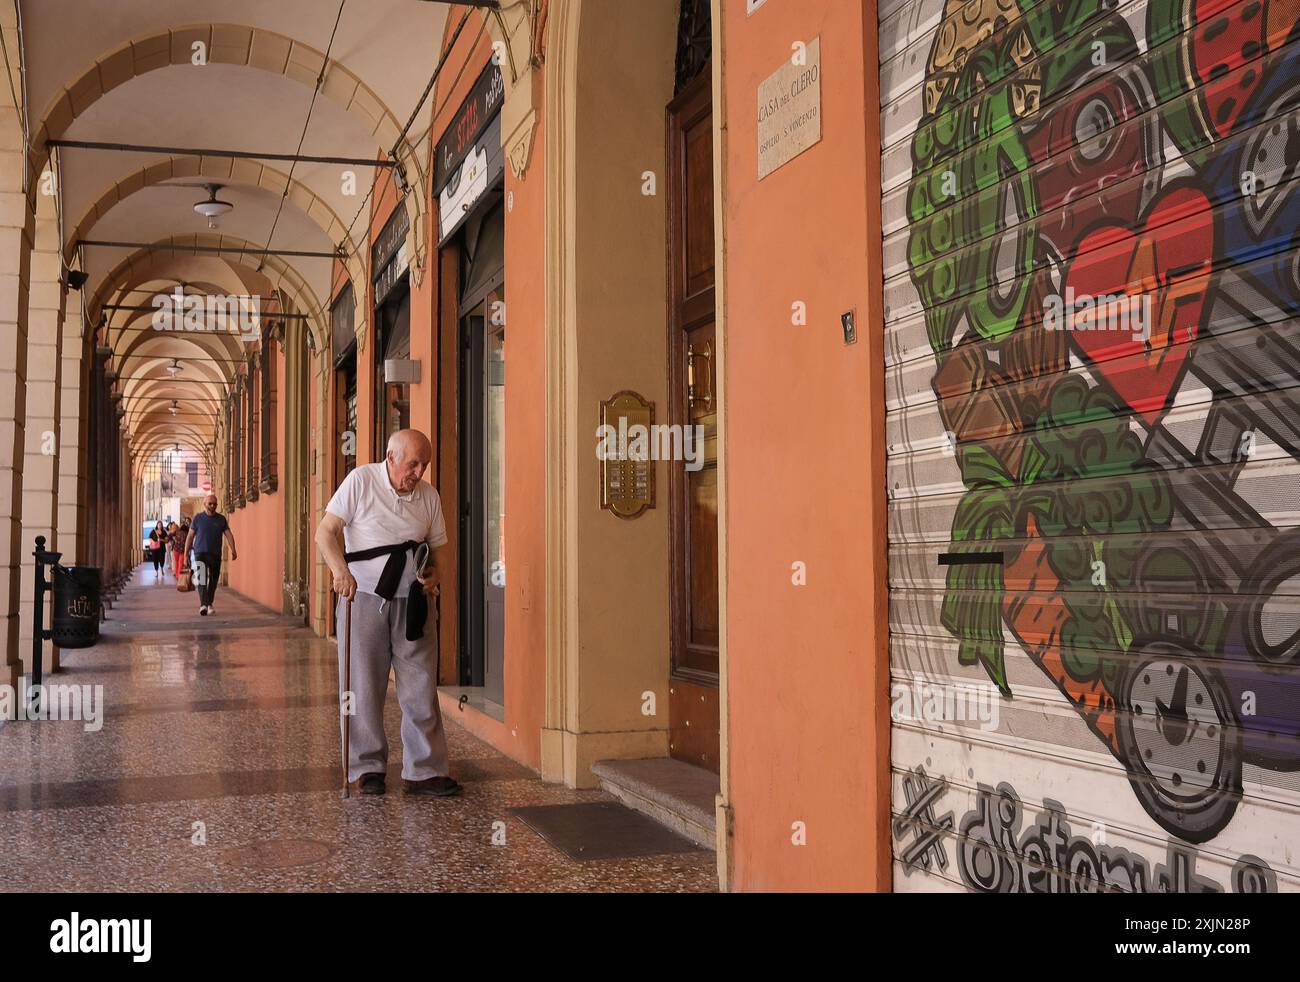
437,70
306,123
348,249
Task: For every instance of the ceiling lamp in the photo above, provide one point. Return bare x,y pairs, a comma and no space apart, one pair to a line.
174,368
213,207
173,408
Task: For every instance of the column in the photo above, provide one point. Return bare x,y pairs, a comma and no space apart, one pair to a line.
41,459
293,409
16,230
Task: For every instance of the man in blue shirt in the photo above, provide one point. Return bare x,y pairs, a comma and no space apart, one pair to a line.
205,536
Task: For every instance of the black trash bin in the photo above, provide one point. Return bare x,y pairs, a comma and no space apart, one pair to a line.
76,606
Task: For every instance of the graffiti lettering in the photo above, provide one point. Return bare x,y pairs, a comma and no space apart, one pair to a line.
994,855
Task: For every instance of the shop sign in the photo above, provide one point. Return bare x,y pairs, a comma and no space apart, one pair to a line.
478,174
343,332
388,260
484,100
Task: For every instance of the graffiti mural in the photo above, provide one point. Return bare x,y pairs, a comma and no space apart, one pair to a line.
999,852
1101,229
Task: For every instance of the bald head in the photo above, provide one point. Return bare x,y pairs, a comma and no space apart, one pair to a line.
409,453
406,443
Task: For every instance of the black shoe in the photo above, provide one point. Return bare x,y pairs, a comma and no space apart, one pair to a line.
434,787
372,783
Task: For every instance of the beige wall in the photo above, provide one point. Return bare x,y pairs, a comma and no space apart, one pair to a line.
615,641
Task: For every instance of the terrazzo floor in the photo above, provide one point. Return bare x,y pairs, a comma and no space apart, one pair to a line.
216,769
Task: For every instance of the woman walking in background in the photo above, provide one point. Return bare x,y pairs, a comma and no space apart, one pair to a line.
159,552
176,539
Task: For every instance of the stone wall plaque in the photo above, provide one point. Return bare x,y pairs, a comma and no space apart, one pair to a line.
790,109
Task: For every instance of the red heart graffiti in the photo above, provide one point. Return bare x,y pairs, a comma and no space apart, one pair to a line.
1160,274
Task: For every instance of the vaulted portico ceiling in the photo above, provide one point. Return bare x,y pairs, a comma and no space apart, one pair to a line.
234,75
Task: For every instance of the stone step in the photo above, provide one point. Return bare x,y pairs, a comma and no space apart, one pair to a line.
672,792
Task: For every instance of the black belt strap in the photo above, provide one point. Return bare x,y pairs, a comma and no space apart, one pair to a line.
417,607
390,578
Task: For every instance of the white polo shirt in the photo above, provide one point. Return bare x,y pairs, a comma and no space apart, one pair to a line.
374,514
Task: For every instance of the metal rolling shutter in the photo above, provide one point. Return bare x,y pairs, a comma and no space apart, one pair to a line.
1094,552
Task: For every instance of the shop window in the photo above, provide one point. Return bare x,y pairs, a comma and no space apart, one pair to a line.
250,431
392,399
343,338
267,397
232,450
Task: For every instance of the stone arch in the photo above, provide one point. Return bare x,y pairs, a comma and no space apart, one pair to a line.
224,271
207,378
252,47
157,440
228,171
235,252
219,277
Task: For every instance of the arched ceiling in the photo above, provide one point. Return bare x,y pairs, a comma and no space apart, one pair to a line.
121,72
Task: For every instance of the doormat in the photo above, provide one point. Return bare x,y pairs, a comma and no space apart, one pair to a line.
602,830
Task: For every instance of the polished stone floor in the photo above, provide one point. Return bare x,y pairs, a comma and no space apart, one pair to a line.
216,769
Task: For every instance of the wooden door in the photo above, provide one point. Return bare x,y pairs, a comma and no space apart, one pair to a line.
345,431
693,405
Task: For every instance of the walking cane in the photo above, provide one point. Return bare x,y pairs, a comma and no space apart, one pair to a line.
347,688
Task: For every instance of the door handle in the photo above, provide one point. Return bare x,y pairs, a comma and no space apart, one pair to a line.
691,355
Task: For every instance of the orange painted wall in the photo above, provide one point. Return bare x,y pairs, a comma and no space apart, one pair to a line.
471,53
807,665
258,529
424,295
525,550
525,645
424,347
318,459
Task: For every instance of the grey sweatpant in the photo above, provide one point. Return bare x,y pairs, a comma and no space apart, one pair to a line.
378,641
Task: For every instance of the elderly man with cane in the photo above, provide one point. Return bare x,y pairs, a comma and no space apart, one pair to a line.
379,531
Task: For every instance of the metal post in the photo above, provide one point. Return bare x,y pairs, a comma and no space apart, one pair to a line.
39,633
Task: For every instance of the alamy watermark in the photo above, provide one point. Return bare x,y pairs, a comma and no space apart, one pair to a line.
75,935
54,701
1117,312
934,702
180,311
659,441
